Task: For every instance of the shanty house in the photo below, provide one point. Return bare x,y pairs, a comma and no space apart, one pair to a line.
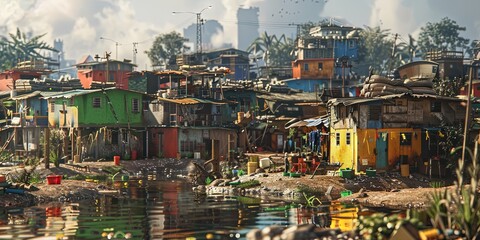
27,116
184,127
381,132
108,121
109,71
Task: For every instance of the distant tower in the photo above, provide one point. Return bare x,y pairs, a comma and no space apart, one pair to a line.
247,27
65,66
58,45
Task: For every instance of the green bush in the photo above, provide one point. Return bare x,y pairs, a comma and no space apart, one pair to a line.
459,209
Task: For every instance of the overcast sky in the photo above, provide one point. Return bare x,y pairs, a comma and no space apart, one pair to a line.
81,23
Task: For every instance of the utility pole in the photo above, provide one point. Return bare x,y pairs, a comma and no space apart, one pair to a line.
468,109
46,138
116,45
394,49
198,43
299,28
107,75
135,52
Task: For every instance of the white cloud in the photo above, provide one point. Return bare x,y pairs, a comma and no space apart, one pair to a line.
81,23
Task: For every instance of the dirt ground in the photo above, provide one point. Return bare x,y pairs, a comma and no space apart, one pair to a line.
388,190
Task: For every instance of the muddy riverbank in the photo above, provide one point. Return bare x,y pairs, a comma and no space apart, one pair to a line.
389,190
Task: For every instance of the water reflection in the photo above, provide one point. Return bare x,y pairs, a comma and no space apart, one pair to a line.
343,216
164,210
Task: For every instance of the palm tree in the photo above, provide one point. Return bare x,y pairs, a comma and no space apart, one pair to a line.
262,45
20,48
375,49
274,51
414,50
6,54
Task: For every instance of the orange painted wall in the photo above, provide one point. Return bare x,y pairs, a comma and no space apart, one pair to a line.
299,71
367,140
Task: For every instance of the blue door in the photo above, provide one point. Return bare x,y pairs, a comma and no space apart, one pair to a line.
382,151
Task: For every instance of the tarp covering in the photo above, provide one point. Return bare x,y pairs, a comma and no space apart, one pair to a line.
311,122
323,119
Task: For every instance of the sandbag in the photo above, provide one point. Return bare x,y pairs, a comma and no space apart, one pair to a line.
418,83
378,79
423,90
396,89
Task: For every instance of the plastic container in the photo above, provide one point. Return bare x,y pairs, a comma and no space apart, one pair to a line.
54,179
371,172
76,158
265,163
2,178
251,167
134,155
295,175
405,170
116,160
347,173
345,193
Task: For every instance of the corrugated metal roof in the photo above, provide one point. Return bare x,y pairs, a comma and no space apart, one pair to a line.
352,101
298,97
323,119
187,101
169,72
184,101
300,123
72,93
26,96
311,122
5,93
34,94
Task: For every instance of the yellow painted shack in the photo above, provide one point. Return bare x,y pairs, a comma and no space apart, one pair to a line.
383,132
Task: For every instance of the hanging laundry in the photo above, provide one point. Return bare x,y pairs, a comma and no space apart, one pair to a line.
384,136
427,136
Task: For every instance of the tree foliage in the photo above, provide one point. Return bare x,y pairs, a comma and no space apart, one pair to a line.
165,49
443,35
448,87
18,47
375,49
474,49
274,51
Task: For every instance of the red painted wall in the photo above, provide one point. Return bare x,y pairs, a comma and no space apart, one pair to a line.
8,77
169,142
120,77
475,89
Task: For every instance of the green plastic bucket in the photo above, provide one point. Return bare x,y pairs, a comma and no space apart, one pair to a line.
345,193
371,172
346,173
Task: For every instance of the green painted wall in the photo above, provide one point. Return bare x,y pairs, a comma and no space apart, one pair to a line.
122,104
